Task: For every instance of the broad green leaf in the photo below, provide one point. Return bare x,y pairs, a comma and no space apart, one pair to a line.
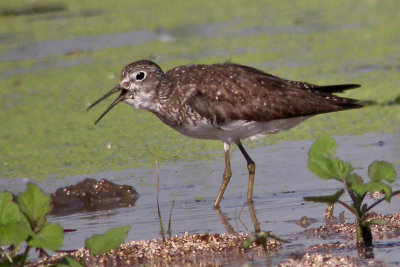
35,205
51,237
14,228
324,146
341,169
68,261
15,233
381,170
9,211
354,179
327,168
330,199
100,244
322,163
356,183
372,187
320,167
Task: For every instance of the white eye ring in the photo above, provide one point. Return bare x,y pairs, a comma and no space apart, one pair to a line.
140,75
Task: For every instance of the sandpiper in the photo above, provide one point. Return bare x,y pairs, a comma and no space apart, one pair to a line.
227,102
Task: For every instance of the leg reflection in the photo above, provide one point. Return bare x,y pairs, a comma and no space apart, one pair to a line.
254,219
260,238
225,219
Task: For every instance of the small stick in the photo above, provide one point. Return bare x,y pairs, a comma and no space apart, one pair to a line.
158,203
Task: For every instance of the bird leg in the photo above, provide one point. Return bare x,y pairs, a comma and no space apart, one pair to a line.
226,178
251,166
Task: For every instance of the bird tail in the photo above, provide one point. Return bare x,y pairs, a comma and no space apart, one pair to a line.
337,88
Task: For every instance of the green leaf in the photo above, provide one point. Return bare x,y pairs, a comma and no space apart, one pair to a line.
9,211
382,170
51,237
68,261
35,205
248,242
340,169
14,234
322,163
325,146
14,228
320,167
354,180
356,183
319,156
100,244
330,199
372,187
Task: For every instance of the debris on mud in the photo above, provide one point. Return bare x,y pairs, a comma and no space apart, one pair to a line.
347,231
329,260
189,250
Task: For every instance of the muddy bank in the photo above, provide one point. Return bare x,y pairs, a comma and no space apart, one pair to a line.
226,249
187,250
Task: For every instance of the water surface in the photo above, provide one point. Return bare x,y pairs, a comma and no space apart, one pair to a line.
282,180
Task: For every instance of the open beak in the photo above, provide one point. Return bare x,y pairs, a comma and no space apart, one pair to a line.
116,101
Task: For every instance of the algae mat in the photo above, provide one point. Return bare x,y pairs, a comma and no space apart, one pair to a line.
56,57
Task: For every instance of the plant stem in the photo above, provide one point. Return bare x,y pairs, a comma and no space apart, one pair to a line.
158,203
346,206
349,191
170,219
25,256
394,194
364,235
362,198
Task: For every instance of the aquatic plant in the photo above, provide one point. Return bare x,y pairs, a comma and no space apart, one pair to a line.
323,163
169,231
23,223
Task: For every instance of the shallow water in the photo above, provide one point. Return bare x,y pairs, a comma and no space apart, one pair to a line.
282,180
39,50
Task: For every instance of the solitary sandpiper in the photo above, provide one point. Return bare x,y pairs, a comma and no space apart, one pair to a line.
226,102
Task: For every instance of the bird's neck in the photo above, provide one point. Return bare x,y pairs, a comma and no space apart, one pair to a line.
165,90
165,107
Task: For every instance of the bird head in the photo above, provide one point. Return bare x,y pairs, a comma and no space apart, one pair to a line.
138,86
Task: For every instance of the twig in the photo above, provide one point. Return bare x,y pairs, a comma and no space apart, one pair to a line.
169,220
237,226
346,206
158,203
240,220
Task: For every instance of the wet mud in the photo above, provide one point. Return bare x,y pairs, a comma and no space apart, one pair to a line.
187,250
91,195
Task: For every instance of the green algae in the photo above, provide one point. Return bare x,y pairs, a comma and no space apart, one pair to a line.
46,132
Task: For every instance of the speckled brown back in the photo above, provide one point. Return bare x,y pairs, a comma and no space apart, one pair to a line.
226,92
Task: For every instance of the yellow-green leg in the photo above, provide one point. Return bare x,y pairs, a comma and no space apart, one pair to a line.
251,166
226,178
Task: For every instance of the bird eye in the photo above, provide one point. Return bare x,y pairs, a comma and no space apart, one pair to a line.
140,76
